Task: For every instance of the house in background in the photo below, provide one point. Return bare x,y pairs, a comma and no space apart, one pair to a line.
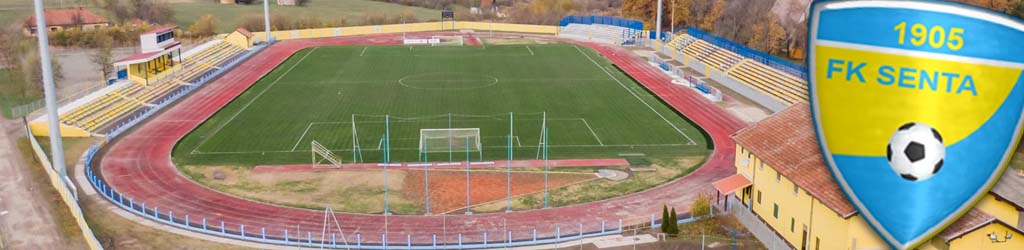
57,20
287,2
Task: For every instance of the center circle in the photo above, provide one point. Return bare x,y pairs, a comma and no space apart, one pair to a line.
448,81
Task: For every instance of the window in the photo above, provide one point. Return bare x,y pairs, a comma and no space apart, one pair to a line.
762,166
775,212
817,243
778,176
796,189
758,196
792,224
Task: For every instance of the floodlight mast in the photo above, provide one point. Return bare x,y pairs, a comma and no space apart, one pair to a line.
53,119
266,18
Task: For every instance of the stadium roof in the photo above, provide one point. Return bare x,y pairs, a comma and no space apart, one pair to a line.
146,56
795,154
160,29
66,17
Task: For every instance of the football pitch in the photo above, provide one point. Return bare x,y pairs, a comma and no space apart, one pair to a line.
348,97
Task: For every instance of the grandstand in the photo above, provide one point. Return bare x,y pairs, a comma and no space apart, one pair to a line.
780,85
601,29
99,113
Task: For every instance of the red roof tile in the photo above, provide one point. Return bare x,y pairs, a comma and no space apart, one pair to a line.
731,184
786,141
67,17
244,32
973,219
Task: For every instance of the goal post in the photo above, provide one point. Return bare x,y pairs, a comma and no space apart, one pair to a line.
324,153
444,140
447,41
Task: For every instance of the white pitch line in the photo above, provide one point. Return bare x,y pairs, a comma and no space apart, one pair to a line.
222,125
635,95
592,131
303,136
531,51
364,50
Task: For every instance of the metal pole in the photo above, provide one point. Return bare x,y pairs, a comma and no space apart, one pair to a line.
266,19
508,165
426,177
546,167
49,91
657,27
468,211
387,158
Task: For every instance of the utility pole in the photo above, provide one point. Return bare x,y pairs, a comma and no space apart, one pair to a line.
49,91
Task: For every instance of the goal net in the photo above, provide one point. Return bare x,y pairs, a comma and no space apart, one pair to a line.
449,140
447,41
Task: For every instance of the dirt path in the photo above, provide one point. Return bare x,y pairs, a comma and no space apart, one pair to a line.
26,220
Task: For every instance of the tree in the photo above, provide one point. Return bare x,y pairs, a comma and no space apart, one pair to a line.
673,222
758,34
206,25
717,10
103,55
701,206
679,12
776,38
665,218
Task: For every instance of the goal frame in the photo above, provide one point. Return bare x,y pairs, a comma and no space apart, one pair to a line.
474,135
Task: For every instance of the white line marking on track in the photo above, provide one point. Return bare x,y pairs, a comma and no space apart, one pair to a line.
637,96
222,125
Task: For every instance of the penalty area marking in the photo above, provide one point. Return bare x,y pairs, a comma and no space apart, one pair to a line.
257,97
637,96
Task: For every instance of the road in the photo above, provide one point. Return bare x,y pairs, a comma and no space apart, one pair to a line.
26,220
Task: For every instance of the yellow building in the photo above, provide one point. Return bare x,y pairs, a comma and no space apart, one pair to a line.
241,37
783,181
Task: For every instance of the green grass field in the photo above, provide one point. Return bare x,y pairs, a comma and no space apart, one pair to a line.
592,110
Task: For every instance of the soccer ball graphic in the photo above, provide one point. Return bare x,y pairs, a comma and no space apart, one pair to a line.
915,151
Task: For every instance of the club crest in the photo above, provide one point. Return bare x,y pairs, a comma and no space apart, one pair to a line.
917,107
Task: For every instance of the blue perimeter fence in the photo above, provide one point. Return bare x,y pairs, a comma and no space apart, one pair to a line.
606,20
238,231
793,69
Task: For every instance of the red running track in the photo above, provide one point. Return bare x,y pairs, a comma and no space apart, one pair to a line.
139,166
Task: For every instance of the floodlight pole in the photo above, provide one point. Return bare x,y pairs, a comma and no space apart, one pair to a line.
657,28
266,18
49,91
508,165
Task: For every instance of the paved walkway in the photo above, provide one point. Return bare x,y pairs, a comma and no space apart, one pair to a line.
26,219
139,165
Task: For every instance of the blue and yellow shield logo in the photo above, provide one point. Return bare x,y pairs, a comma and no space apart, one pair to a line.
917,106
